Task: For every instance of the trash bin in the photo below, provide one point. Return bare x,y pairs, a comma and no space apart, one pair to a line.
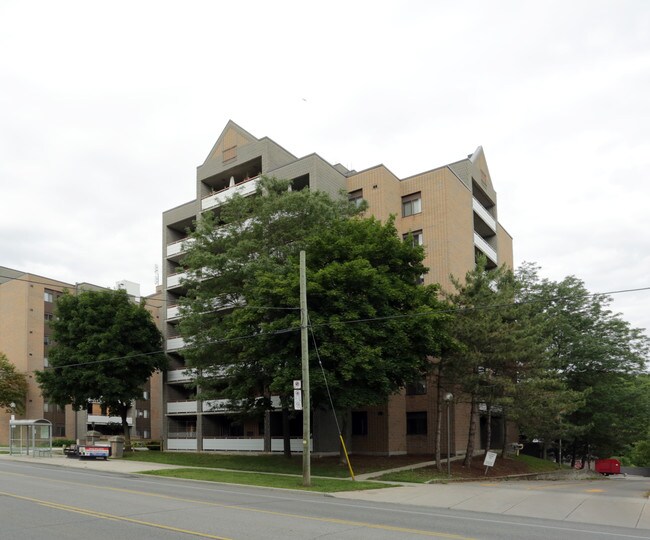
117,446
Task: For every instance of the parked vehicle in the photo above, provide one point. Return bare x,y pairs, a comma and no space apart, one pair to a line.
608,466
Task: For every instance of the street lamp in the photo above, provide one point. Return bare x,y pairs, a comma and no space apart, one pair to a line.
449,397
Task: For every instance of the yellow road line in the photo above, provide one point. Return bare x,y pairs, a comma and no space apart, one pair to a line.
111,517
230,507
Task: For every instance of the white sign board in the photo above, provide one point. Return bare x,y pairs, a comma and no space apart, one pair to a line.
297,400
297,384
490,458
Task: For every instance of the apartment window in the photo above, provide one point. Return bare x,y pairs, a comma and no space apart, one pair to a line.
145,413
416,423
46,407
411,204
416,388
418,239
48,296
46,362
46,340
48,317
359,423
356,197
145,395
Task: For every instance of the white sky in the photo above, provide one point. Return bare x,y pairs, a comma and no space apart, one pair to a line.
106,110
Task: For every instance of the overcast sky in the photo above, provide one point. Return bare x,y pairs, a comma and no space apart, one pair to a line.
106,110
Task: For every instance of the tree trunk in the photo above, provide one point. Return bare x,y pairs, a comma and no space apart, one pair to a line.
439,422
124,409
286,435
471,436
504,450
267,423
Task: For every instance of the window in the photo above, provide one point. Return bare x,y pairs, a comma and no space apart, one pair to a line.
48,317
356,197
418,239
46,407
411,204
416,423
48,296
46,362
229,153
145,413
359,423
46,340
145,395
416,388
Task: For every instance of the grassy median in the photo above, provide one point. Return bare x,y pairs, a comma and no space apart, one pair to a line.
323,485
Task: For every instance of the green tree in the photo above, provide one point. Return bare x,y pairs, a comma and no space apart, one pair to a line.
357,270
13,386
500,345
596,354
106,347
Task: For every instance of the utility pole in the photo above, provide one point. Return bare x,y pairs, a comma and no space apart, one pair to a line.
304,346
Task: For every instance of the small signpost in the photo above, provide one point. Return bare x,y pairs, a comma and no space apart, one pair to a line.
297,395
490,458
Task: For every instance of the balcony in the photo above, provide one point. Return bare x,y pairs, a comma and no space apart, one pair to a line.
175,343
250,444
173,312
181,375
484,214
182,407
184,443
174,280
486,248
101,420
246,188
178,248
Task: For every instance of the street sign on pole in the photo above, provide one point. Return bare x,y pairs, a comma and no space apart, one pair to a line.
297,384
297,400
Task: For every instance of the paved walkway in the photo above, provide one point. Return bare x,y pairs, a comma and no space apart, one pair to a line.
532,499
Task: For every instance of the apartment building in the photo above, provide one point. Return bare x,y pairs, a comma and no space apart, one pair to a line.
450,210
27,305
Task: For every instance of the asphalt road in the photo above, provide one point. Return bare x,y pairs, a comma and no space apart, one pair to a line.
41,501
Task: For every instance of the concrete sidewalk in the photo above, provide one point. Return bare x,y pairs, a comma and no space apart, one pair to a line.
532,499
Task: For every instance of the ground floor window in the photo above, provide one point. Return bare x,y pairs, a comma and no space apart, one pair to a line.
359,423
416,423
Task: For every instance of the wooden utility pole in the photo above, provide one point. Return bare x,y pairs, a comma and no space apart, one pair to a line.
306,403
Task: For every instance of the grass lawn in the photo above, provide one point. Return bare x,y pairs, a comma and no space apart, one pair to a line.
503,467
326,466
324,485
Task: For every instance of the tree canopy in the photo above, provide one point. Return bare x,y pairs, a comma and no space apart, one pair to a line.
106,347
13,386
373,324
596,354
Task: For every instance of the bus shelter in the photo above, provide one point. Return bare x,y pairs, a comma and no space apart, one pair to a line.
30,437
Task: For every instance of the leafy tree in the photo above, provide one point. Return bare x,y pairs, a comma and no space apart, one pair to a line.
499,345
106,347
597,354
13,386
357,270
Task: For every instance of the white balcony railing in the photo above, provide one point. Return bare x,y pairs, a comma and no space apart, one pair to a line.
250,444
173,312
484,214
175,407
181,375
175,279
175,343
179,247
101,420
486,248
217,199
